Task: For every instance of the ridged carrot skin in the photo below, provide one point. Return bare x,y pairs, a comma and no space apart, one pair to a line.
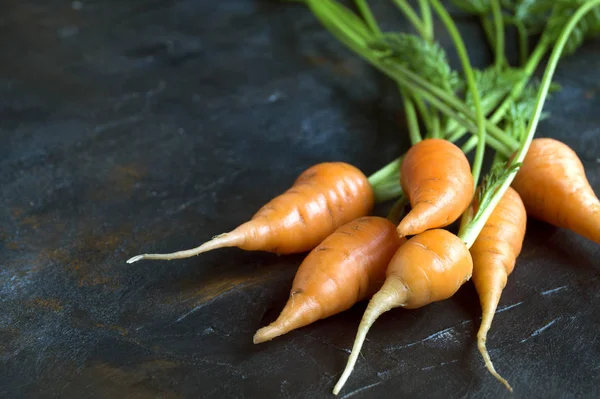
554,188
323,198
494,254
436,177
429,267
347,267
432,266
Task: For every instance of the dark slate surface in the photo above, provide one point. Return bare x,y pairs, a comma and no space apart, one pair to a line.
152,125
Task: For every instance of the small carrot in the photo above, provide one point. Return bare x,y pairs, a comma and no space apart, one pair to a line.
322,198
494,255
554,188
347,267
436,177
429,267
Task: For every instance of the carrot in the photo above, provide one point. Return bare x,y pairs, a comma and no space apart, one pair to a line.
494,255
554,188
322,198
436,177
347,267
429,267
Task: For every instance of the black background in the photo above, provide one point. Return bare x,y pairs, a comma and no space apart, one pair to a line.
143,126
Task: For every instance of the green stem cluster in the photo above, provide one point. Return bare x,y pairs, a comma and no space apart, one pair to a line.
424,99
469,74
470,232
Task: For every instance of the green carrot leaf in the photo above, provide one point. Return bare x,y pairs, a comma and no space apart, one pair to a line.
492,85
489,185
478,7
588,27
521,109
533,14
424,58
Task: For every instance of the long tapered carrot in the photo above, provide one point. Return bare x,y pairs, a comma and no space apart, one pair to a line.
554,188
436,177
429,267
494,255
347,267
322,198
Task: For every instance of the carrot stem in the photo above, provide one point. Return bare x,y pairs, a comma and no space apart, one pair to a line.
487,30
469,75
469,145
409,108
352,31
428,91
471,232
427,19
411,117
500,141
530,66
425,30
392,168
388,190
499,40
436,131
412,16
366,13
523,41
426,115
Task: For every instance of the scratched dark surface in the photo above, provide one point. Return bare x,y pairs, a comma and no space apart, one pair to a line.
153,125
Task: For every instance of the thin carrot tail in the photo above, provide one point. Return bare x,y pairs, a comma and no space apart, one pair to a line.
489,303
420,218
394,293
587,222
231,239
481,339
299,311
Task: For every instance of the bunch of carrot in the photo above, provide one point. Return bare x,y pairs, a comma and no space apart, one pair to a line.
411,262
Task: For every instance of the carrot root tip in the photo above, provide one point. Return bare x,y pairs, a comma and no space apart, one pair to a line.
266,334
135,259
488,363
221,241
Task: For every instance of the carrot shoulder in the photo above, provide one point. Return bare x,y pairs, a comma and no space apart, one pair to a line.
347,267
429,267
494,254
321,199
554,188
436,177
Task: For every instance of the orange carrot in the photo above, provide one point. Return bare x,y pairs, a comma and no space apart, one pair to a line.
322,198
436,177
347,267
494,255
554,188
429,267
